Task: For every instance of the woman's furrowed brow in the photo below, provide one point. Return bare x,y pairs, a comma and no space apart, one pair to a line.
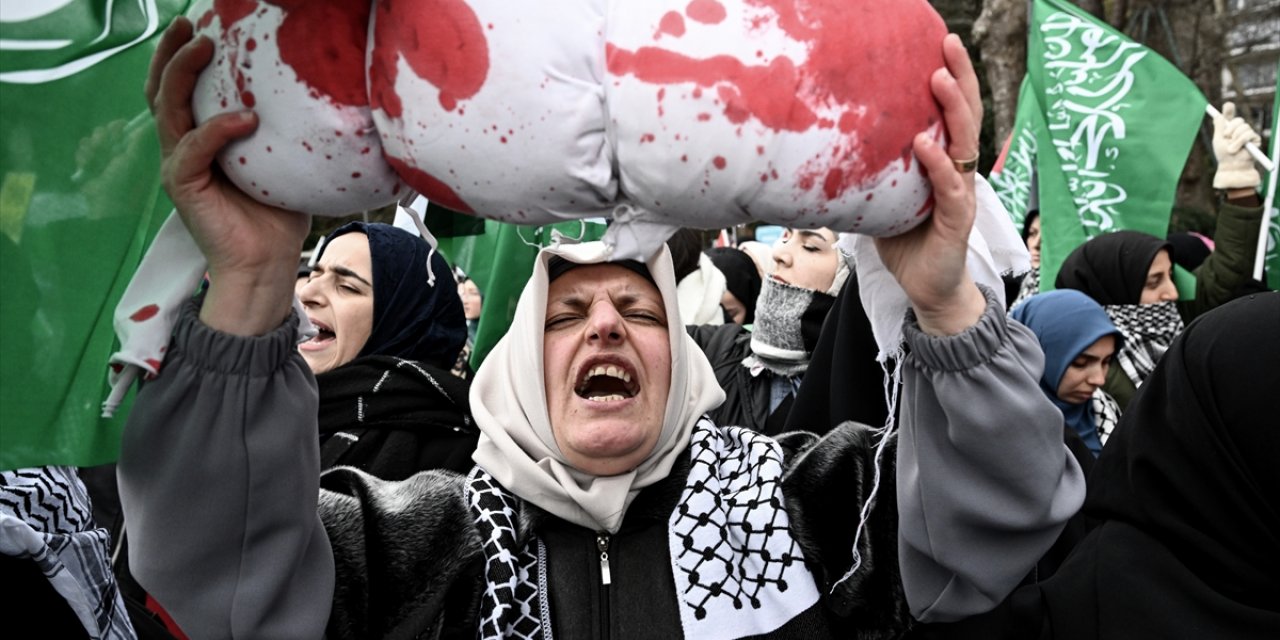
347,273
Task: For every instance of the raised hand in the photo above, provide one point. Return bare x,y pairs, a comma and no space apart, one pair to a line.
1235,165
252,248
929,261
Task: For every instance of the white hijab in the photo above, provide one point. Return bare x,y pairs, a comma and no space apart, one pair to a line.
508,399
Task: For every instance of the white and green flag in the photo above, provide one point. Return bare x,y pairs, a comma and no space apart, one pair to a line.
1013,175
1272,247
1119,121
80,199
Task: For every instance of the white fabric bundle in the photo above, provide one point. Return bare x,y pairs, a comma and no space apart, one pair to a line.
699,114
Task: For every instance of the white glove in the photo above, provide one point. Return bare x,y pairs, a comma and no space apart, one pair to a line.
1235,166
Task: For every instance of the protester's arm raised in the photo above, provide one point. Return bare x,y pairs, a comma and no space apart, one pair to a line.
985,483
929,261
219,463
252,248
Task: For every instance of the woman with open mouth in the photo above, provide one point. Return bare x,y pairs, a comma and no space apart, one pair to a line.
387,335
603,503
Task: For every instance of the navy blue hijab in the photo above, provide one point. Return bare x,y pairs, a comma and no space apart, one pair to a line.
411,319
1066,322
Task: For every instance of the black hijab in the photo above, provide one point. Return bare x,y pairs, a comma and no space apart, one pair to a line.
411,319
1111,268
1189,495
1190,251
740,276
844,381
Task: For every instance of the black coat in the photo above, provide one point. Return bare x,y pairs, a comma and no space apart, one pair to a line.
409,563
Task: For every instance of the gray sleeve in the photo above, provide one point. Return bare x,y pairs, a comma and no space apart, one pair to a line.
985,483
219,478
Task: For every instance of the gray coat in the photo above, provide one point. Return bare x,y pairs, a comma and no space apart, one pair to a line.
220,484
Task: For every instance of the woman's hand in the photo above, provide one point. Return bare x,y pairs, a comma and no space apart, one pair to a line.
252,248
929,261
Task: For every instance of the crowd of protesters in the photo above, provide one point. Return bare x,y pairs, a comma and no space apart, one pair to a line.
699,444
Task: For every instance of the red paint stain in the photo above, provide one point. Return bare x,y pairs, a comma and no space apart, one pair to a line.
684,158
926,207
442,42
242,160
146,313
648,137
306,145
759,150
324,42
719,162
355,174
250,44
704,117
672,24
153,363
268,148
705,11
428,185
503,139
870,196
365,151
850,49
205,20
117,367
248,99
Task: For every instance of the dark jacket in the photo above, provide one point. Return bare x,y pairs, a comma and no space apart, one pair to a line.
746,397
437,552
392,418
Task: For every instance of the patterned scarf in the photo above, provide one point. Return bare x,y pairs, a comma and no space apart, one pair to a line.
514,604
737,568
1148,330
1030,286
45,515
1106,414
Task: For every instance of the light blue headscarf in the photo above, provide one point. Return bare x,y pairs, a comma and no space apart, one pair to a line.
1067,322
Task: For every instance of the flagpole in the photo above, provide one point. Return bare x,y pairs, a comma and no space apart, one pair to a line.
1259,258
1253,149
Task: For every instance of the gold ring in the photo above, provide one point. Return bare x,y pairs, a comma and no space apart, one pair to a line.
966,166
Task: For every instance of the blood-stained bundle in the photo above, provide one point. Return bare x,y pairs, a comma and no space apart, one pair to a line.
705,114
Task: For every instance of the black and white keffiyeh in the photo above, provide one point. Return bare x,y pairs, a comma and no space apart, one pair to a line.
1148,330
1106,414
45,515
514,604
737,567
1030,286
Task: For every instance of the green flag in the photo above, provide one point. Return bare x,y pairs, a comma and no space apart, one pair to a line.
1272,248
80,198
1013,175
500,261
1119,123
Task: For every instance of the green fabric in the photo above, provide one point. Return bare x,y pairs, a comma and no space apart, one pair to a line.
1120,121
500,261
1119,386
1230,266
80,199
1014,180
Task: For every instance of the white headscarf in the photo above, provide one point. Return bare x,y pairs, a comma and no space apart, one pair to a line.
508,399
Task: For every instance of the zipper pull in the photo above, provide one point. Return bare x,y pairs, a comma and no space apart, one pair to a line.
602,542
